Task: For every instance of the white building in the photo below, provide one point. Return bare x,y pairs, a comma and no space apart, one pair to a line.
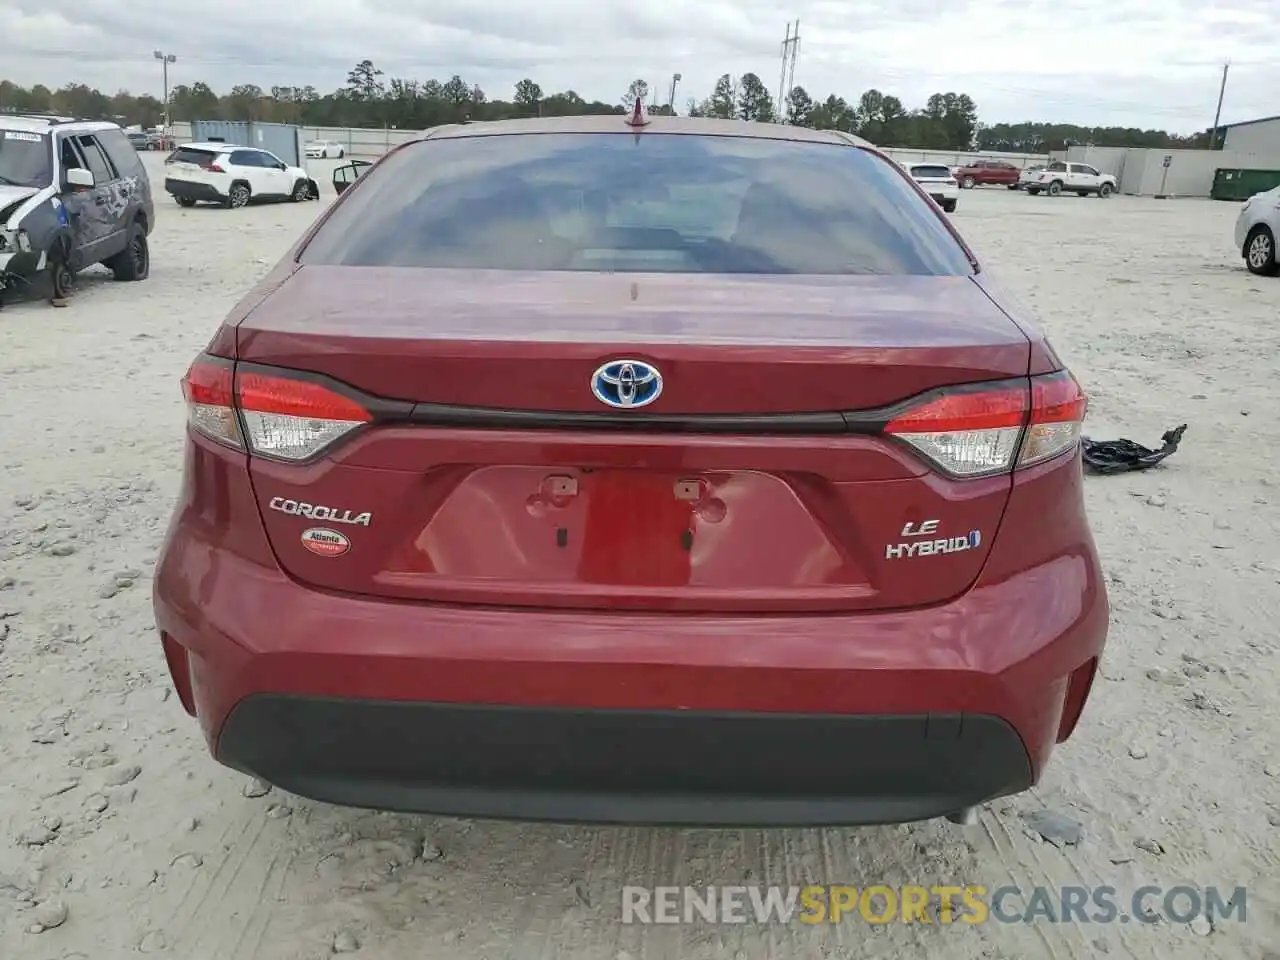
1253,136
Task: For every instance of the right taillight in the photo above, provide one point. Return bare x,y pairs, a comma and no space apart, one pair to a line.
268,413
1058,407
988,429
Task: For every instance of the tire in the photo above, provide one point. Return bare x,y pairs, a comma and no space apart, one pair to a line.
301,191
1105,190
1055,188
949,206
185,201
1260,252
341,154
61,280
239,196
968,183
1033,191
134,261
1013,186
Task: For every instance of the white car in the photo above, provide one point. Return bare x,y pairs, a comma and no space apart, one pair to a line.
1029,175
1257,227
1080,178
233,176
325,150
938,181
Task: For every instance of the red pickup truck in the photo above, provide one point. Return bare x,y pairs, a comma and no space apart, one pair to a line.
1000,172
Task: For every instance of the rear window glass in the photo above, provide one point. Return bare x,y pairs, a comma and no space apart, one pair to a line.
638,203
187,155
1057,167
932,172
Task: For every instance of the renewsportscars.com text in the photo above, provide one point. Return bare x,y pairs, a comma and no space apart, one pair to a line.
970,904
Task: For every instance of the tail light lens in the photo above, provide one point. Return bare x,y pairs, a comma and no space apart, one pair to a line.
207,388
213,168
294,419
281,417
991,428
1058,407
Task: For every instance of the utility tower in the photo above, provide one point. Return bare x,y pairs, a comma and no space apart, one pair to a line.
1218,114
790,50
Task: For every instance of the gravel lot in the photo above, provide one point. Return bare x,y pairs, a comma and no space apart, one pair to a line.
111,809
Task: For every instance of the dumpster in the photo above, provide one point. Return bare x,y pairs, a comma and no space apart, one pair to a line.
1230,183
282,139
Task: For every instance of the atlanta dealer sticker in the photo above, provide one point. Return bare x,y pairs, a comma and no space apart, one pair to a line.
324,542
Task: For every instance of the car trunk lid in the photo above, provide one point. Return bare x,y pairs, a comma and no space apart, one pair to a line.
752,483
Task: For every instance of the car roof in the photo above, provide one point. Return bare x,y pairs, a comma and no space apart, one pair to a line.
617,123
39,123
217,145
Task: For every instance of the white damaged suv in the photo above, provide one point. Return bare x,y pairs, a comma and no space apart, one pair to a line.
233,176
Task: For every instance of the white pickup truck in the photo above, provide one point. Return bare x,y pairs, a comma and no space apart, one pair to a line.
1063,177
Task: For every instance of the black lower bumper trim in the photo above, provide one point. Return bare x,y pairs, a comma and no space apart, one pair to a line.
187,190
621,766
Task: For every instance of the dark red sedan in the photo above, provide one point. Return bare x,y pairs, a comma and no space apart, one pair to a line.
620,469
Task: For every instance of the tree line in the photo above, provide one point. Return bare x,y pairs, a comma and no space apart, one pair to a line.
947,121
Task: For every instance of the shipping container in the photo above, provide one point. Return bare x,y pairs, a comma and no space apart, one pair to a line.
282,139
1236,184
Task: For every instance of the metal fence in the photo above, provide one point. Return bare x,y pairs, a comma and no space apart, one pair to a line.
369,143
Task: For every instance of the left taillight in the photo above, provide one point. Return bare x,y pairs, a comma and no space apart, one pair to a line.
987,429
268,414
208,389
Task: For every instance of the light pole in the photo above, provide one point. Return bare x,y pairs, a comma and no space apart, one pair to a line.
166,59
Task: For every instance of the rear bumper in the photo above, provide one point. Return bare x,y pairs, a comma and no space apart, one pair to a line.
628,717
611,766
189,190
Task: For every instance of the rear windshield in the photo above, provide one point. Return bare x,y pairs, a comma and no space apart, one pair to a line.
932,173
669,203
187,155
1057,167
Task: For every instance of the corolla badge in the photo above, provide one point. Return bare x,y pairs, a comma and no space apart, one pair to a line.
626,384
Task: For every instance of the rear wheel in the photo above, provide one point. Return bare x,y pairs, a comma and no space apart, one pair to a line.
1033,191
1013,186
1260,252
238,196
185,201
134,261
1055,188
968,183
949,206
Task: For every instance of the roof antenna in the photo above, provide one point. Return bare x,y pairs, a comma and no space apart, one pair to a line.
639,116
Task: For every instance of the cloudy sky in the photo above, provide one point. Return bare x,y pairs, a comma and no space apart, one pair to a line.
1149,63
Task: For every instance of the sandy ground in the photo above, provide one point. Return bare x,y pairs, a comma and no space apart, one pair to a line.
111,809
